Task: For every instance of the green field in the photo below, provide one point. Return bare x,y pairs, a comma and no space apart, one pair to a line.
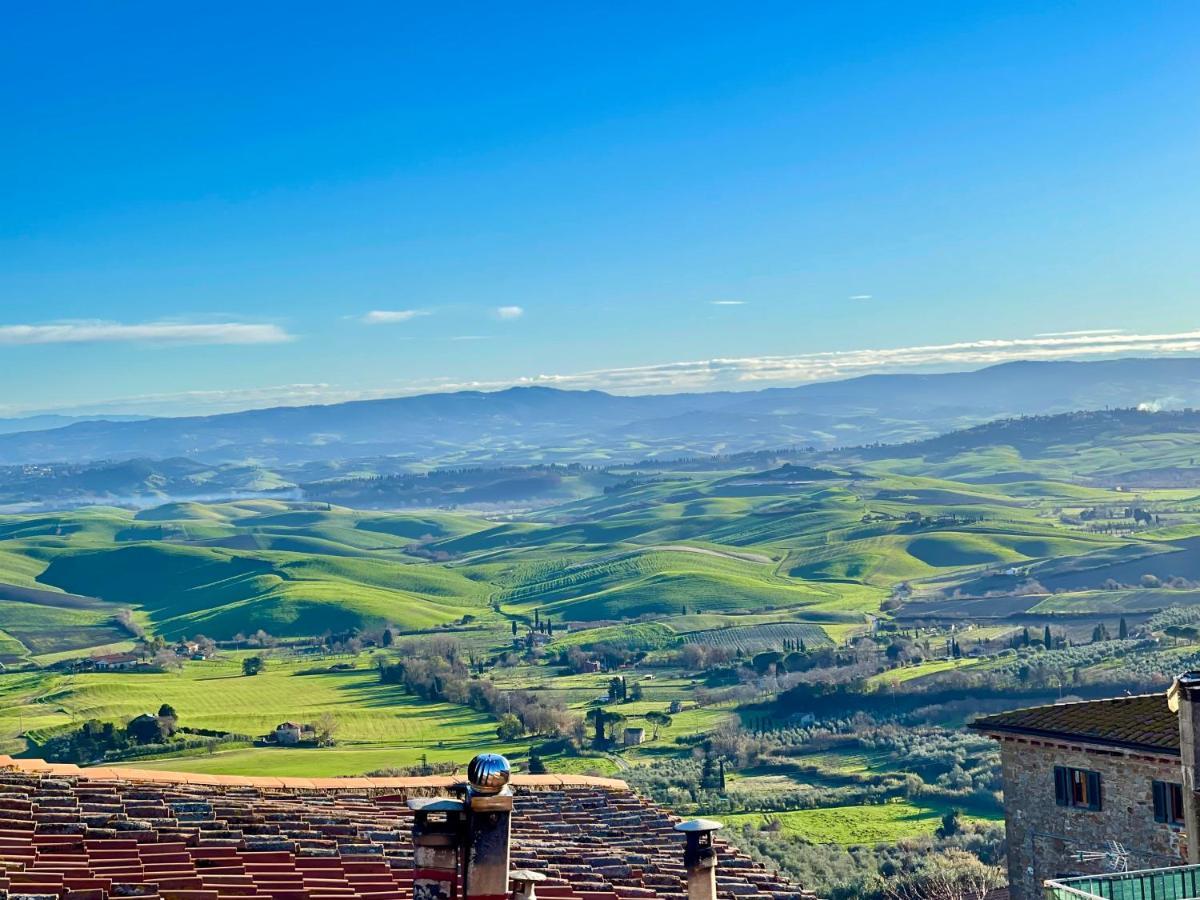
753,638
884,823
374,721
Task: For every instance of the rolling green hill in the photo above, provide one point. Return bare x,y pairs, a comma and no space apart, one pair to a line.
221,569
189,590
763,534
659,582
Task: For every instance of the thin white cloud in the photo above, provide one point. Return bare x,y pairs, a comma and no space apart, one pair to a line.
95,331
392,316
860,296
509,312
747,372
1081,333
727,302
470,337
761,371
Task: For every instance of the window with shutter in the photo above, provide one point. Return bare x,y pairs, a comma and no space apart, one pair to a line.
1159,789
1062,790
1168,802
1079,788
1092,797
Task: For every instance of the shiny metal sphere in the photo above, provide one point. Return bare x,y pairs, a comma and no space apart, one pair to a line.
488,773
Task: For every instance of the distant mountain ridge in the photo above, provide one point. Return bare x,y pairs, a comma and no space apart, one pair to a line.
1125,448
47,421
539,424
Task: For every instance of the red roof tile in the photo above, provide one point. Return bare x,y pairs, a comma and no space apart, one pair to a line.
126,832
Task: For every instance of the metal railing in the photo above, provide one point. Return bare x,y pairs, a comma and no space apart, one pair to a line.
1176,883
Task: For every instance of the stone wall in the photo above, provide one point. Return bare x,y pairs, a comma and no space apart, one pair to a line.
1044,838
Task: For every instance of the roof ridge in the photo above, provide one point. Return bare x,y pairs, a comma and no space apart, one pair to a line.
1019,709
1136,721
346,782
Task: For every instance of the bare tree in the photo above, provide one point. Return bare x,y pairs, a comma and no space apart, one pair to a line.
954,875
326,726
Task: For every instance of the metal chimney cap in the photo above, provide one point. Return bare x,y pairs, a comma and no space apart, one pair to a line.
526,876
488,773
435,804
698,825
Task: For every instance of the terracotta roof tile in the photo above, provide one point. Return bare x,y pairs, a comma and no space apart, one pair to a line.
1141,722
127,832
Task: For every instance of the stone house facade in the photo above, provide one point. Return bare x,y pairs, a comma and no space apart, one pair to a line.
288,733
1086,779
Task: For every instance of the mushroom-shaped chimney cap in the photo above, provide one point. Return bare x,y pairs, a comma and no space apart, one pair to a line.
526,876
698,826
488,773
435,804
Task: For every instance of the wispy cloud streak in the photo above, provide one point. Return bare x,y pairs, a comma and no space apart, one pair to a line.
1081,333
85,332
744,372
392,316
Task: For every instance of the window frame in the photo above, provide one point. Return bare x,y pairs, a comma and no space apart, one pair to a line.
1076,788
1168,802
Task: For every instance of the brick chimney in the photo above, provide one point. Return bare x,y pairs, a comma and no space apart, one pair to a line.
488,804
437,833
1184,698
700,858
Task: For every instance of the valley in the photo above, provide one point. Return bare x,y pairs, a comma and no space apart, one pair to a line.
767,636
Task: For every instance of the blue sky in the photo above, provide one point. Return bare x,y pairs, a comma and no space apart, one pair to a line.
202,212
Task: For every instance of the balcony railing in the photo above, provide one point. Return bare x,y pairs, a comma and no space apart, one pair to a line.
1178,883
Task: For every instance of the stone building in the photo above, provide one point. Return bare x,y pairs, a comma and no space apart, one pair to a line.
288,733
1086,779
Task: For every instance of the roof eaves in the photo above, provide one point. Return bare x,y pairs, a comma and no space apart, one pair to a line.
436,782
1074,737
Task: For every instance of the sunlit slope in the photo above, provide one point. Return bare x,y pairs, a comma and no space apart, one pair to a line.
885,559
185,590
225,568
214,694
660,582
1100,447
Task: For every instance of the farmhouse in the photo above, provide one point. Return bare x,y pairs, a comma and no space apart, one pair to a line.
288,733
634,736
116,661
110,832
1100,784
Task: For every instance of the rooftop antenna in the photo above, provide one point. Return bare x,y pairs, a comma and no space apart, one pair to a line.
1114,859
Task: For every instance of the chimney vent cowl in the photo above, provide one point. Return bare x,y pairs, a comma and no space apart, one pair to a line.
699,825
700,858
488,773
524,883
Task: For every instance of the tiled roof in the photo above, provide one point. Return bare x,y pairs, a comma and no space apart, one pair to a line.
1141,722
90,834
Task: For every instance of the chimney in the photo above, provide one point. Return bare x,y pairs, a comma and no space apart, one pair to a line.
1184,698
437,828
489,804
524,882
700,858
